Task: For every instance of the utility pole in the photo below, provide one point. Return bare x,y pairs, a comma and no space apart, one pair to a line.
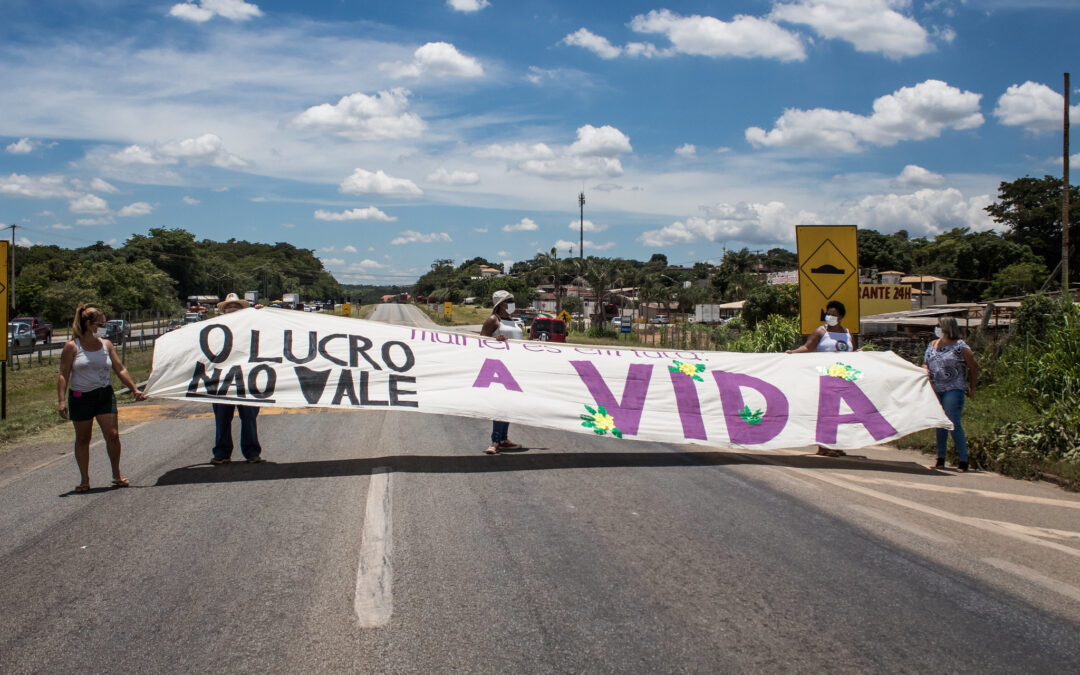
581,233
555,279
1065,198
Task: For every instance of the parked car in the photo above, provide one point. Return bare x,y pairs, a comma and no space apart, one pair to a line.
41,330
659,318
617,321
20,337
117,330
174,324
547,330
192,317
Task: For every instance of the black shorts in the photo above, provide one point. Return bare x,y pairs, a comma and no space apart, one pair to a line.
86,405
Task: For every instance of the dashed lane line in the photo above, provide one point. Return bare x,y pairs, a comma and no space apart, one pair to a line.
374,600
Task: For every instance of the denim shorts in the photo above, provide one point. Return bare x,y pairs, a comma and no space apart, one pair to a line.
86,405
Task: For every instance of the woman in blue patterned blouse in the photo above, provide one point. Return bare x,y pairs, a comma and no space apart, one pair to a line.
953,372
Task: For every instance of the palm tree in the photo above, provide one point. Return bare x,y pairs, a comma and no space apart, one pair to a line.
601,274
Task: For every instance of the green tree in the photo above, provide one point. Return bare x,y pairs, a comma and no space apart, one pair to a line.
1031,208
885,252
768,300
970,260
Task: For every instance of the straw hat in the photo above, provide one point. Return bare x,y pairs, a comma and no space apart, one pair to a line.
501,296
232,299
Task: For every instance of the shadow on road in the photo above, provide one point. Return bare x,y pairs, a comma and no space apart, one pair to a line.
532,461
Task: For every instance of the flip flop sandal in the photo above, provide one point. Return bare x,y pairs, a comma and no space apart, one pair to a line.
121,482
492,449
82,487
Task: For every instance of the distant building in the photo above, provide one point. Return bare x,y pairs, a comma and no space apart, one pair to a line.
926,290
488,272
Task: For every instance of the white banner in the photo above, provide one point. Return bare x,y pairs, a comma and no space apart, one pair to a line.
285,358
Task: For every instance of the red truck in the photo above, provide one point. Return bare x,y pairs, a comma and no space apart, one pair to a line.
42,330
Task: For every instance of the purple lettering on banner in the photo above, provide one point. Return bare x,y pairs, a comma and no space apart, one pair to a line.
739,430
627,413
495,371
836,389
686,399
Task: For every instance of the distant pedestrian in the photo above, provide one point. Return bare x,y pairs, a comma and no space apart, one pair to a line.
831,337
85,392
223,412
953,372
502,327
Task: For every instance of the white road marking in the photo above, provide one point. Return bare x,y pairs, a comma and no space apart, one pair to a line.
963,491
374,602
900,524
1035,577
991,526
96,444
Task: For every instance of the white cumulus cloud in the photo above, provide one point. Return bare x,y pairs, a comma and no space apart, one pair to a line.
593,155
564,245
596,44
686,150
363,117
605,141
586,225
453,178
21,147
135,209
467,5
190,200
748,222
869,25
744,36
914,176
200,11
205,149
910,113
413,237
363,182
42,187
436,59
526,225
88,204
349,249
1034,106
926,212
370,213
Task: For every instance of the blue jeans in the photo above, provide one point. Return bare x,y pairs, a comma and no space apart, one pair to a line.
249,432
952,402
499,431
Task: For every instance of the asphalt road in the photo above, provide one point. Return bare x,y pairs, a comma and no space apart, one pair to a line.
388,542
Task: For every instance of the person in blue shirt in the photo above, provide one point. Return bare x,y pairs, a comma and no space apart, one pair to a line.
953,372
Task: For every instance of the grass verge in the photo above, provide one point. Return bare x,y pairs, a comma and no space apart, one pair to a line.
31,396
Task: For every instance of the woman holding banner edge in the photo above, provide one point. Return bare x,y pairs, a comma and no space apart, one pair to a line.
85,392
502,327
832,337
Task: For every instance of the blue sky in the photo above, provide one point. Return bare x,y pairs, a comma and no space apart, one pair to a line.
385,135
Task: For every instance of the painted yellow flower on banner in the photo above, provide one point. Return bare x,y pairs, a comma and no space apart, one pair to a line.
689,369
842,371
600,421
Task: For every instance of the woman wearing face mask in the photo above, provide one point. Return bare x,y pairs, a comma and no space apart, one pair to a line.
85,365
501,326
953,371
832,337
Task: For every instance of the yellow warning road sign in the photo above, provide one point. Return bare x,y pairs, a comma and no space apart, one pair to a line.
448,310
828,270
565,316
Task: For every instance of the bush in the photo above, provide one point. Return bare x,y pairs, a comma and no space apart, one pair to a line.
774,334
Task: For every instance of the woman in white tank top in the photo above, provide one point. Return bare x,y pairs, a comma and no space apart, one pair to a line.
502,326
832,337
85,391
